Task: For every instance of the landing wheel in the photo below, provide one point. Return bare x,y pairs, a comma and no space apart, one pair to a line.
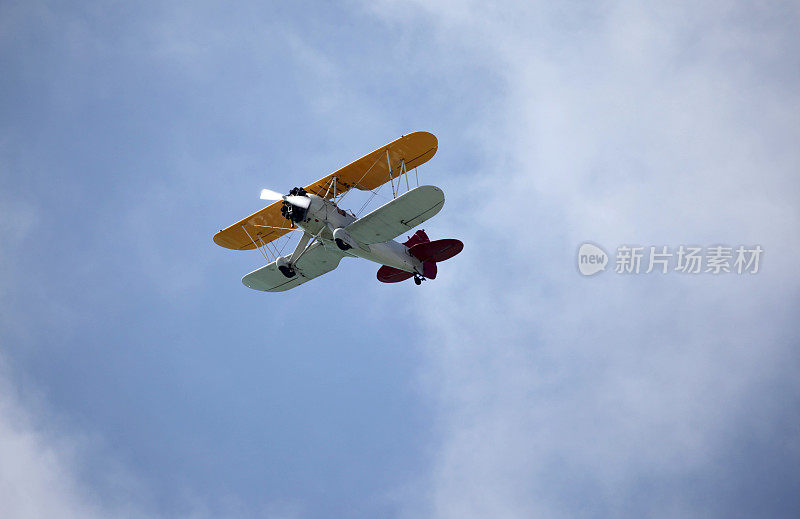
341,244
287,271
417,279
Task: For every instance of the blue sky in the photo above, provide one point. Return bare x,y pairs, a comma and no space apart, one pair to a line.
138,377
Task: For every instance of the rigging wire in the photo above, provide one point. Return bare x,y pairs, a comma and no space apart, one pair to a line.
375,192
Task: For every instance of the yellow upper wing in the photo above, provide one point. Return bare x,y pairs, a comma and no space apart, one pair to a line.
368,172
372,170
259,228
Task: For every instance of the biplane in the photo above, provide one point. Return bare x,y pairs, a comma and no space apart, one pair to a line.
330,233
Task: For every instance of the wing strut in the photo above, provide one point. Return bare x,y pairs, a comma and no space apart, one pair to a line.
273,250
403,170
257,246
389,163
264,247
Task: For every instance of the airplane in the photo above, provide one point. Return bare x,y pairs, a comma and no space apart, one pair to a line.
331,233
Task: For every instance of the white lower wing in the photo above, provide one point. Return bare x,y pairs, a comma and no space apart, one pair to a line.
315,262
398,216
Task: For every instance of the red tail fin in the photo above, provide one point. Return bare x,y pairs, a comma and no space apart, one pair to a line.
429,269
419,237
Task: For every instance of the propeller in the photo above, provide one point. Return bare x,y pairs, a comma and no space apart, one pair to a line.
299,201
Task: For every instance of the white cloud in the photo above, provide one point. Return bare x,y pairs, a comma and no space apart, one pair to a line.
39,462
39,467
558,395
44,470
564,396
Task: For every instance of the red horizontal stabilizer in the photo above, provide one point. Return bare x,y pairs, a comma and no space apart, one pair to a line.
438,250
388,274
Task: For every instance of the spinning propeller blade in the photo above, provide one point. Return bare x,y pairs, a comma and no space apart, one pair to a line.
299,201
268,194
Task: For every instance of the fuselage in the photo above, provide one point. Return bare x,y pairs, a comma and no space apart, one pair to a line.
328,223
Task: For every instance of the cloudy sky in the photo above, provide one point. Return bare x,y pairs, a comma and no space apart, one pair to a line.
139,378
